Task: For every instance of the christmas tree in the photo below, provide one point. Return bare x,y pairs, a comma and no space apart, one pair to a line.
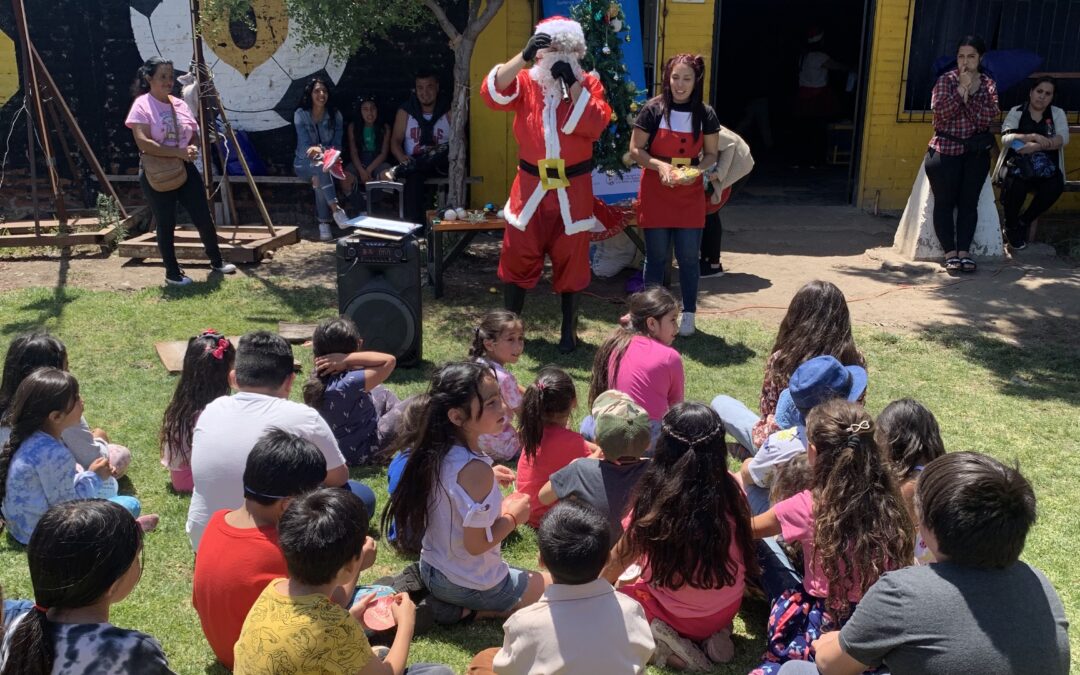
605,27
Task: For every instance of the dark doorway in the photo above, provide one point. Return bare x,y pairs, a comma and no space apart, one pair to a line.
804,153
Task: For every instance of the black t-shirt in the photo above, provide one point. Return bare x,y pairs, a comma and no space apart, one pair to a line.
648,118
1044,127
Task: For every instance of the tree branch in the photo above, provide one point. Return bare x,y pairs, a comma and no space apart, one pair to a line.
444,21
490,10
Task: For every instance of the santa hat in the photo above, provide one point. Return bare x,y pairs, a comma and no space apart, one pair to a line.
566,34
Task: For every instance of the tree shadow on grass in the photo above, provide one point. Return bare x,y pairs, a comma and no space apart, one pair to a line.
46,308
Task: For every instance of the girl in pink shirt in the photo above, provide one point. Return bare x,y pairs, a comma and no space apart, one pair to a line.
852,526
547,444
638,360
689,529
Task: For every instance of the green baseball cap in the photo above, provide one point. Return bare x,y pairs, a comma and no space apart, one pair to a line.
622,426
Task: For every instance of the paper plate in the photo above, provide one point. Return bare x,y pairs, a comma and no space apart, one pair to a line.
378,616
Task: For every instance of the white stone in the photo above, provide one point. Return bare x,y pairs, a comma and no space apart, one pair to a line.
450,214
461,213
501,214
915,237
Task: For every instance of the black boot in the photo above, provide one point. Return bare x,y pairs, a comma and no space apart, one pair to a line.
513,298
568,340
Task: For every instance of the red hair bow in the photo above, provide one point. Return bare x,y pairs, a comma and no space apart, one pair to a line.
219,352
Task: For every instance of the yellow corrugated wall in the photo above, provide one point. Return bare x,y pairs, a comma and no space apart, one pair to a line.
892,150
9,71
687,27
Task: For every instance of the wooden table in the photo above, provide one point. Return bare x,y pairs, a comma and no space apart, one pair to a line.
439,258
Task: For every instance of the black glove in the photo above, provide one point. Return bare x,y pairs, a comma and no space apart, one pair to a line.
535,44
564,72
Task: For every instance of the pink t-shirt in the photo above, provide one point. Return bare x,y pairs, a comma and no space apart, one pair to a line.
165,128
504,445
651,373
559,447
796,516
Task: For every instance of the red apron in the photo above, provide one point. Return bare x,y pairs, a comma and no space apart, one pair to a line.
681,206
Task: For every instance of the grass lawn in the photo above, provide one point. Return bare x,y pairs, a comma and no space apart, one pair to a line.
1018,403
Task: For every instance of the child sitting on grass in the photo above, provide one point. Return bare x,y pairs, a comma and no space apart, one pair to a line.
978,609
36,468
690,528
340,388
547,444
84,557
499,341
204,377
623,433
580,624
295,625
239,553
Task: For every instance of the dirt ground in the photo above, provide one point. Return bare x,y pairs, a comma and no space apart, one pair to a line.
769,251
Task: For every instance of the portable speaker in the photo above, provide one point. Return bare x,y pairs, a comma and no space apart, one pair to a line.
379,289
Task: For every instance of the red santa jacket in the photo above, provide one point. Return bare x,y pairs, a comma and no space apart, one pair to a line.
548,128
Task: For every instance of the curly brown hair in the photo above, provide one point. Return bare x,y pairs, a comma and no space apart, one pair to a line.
817,323
861,526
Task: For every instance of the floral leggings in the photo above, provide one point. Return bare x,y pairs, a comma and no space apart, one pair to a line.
797,619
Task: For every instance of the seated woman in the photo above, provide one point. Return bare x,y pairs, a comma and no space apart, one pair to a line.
1035,134
369,142
319,127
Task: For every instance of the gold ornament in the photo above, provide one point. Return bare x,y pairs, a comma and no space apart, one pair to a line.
614,116
613,9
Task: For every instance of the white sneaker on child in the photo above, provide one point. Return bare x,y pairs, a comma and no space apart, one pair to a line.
341,218
226,268
685,649
324,232
686,327
719,647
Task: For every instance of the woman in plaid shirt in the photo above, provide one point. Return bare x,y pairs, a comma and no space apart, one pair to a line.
965,103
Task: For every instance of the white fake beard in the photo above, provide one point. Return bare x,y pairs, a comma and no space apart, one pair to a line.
541,71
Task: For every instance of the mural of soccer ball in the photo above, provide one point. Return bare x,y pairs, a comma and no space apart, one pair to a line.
259,76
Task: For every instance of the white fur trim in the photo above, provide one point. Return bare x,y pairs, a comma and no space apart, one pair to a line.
550,119
501,99
565,33
577,112
572,227
520,220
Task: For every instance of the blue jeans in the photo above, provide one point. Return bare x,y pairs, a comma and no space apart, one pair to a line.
777,572
325,194
501,598
687,242
796,668
738,420
366,495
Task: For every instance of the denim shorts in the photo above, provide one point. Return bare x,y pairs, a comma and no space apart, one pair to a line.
500,598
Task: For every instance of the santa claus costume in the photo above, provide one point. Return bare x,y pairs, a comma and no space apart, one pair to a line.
560,114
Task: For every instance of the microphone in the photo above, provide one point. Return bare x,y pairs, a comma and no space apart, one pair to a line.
565,91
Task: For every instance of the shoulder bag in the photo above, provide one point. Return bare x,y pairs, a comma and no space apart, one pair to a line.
165,174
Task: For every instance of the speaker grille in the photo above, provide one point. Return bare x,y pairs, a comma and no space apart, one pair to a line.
385,321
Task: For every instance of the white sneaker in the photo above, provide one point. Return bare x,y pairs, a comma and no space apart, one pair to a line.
341,218
324,232
226,268
686,327
184,280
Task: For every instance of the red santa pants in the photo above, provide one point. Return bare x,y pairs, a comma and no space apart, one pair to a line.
522,259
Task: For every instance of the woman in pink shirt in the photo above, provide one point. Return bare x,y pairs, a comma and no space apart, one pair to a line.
852,526
164,126
689,529
638,359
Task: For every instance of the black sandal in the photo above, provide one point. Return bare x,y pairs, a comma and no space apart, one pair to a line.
952,264
967,265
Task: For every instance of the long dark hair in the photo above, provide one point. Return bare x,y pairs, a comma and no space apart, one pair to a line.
490,328
141,85
553,394
652,303
77,552
379,125
909,435
686,503
862,528
44,391
696,63
454,386
817,323
25,354
336,335
205,376
331,102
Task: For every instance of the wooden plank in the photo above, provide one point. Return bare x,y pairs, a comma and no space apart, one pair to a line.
189,247
489,223
296,333
99,238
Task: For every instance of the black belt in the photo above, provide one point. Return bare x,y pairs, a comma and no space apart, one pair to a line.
572,171
693,161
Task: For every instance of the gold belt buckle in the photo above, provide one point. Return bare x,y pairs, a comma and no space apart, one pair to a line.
549,181
680,161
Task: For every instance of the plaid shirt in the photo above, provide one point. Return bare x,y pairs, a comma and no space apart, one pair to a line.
956,118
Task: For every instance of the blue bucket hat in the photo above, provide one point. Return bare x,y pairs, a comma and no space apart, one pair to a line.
820,379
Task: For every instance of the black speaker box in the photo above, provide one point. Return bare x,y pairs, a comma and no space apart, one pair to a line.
379,289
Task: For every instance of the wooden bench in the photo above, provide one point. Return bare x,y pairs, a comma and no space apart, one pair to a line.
438,258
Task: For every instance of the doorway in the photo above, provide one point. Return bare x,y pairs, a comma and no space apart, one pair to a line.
804,141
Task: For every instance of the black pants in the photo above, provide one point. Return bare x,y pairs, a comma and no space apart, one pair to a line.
710,240
163,206
956,181
1047,190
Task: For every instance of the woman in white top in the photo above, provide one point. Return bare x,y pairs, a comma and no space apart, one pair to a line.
448,506
164,126
1035,134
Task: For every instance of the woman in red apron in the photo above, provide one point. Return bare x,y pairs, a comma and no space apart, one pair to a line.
675,130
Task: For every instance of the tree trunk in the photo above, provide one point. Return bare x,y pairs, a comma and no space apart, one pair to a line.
459,119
